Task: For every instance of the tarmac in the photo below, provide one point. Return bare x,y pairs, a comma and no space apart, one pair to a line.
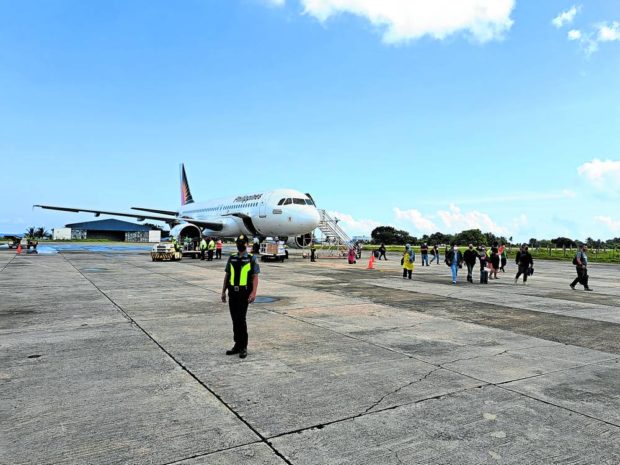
109,358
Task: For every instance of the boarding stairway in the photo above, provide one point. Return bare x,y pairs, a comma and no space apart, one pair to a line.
336,241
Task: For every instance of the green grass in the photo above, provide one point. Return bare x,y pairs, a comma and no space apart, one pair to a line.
608,256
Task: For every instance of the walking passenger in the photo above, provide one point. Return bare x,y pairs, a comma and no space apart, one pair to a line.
218,249
495,260
484,260
524,261
503,257
407,261
435,253
382,251
581,263
424,252
454,259
470,257
352,255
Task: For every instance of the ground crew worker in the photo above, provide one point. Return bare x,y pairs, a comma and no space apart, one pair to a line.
210,249
241,280
203,248
174,243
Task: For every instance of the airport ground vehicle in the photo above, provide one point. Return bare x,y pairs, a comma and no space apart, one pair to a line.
165,251
273,250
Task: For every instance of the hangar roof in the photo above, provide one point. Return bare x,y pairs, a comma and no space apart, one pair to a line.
109,225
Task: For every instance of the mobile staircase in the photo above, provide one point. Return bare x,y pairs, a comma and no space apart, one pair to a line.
336,241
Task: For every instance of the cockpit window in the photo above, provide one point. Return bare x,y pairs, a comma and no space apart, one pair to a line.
309,202
299,201
288,202
281,201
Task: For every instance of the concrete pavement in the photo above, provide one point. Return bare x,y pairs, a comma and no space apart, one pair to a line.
109,358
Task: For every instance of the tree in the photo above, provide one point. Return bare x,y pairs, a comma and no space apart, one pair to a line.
390,235
563,242
440,238
41,232
533,242
470,236
30,232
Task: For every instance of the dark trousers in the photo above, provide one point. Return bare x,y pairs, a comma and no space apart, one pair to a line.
582,277
218,254
382,254
470,270
202,254
522,271
484,276
238,305
312,259
406,273
425,259
210,254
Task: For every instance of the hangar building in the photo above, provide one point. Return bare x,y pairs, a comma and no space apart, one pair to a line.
110,229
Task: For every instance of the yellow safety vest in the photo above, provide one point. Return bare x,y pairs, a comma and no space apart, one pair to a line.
240,269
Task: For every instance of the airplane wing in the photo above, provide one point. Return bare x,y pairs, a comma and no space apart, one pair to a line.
152,210
214,225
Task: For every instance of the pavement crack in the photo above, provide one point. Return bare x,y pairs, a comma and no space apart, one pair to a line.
184,368
411,383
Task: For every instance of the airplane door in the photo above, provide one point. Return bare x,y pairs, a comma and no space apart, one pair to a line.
262,209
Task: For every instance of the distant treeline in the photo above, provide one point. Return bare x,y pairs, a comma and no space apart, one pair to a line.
391,235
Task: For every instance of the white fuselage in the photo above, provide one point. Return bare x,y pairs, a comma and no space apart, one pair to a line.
281,212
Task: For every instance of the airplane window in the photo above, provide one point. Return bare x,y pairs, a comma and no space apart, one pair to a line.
281,201
309,202
288,202
299,201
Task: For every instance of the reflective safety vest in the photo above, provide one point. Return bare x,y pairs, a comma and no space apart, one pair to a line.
203,245
241,270
211,245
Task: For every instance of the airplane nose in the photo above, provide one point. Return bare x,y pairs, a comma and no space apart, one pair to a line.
312,220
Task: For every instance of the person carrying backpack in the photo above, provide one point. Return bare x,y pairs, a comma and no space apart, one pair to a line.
581,263
525,262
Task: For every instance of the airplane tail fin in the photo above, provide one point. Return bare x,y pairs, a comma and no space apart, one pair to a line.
186,195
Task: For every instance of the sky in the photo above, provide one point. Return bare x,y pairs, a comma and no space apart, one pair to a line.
426,115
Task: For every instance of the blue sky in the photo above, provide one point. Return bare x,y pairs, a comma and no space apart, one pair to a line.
424,115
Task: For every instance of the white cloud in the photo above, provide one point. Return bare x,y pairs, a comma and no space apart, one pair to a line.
416,218
574,34
608,33
604,175
612,225
275,2
456,220
353,226
566,17
404,20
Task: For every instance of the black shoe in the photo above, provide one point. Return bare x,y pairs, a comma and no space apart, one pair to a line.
588,289
572,287
243,353
232,351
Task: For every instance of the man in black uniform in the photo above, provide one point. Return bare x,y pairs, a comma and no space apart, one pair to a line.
241,280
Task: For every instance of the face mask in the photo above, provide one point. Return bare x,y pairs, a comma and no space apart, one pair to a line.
456,248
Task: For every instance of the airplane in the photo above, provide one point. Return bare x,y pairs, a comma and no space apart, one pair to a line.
284,213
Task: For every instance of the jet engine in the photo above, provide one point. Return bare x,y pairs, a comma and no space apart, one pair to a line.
180,231
305,240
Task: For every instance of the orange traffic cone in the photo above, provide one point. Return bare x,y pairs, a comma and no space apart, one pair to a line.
371,262
19,249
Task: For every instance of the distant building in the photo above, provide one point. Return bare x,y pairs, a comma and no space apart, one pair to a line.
361,238
111,229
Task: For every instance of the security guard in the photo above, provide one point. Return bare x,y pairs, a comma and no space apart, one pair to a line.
241,280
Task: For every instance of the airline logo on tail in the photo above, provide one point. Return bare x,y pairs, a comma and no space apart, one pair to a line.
186,195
